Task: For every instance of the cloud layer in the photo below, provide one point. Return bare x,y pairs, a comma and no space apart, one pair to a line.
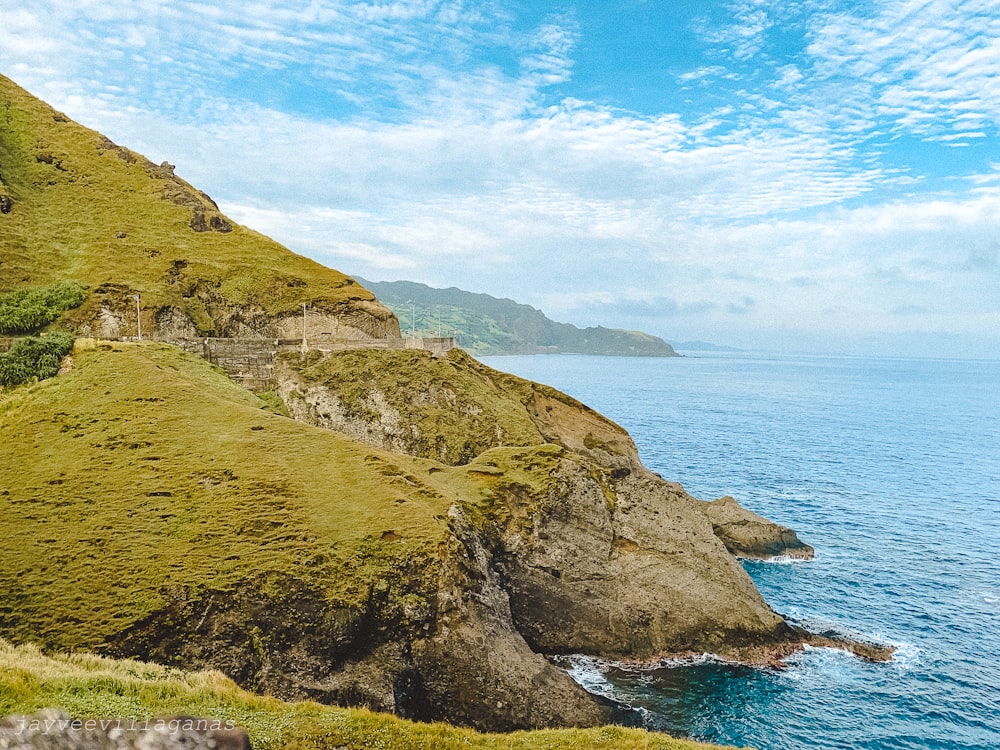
821,174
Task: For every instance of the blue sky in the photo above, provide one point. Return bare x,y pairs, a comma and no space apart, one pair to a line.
791,175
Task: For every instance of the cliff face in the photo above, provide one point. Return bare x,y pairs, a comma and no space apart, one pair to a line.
448,409
597,554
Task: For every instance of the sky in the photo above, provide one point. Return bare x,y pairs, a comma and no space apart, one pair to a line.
786,175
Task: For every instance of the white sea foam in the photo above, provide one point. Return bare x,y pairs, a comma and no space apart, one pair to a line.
776,560
907,656
588,673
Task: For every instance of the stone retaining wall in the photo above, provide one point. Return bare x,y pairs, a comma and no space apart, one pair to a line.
250,361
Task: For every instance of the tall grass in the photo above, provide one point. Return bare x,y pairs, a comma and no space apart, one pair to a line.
36,357
30,310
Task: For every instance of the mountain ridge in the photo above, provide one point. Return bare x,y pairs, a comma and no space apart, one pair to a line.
488,325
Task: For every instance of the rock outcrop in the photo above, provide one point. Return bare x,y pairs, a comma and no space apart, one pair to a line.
435,640
449,409
748,535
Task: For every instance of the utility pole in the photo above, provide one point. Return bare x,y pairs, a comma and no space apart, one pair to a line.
413,320
138,317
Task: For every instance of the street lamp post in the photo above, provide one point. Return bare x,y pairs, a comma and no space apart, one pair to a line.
138,317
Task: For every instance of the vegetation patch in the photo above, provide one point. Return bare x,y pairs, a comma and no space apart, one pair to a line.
34,358
29,310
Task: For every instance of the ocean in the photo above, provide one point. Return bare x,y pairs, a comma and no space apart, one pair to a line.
890,468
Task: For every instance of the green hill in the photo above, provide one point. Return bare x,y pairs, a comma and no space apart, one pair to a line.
488,325
75,207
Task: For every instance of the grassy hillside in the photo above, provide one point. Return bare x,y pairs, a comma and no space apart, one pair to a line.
450,409
145,470
487,325
92,687
76,207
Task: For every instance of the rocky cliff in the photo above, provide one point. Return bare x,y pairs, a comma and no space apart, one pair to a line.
596,553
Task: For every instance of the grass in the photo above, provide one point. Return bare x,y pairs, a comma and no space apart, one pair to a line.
86,210
145,469
88,686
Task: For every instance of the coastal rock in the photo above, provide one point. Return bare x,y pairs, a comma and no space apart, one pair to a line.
450,409
621,567
476,668
748,535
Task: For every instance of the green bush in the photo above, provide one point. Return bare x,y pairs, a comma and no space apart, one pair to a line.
35,357
28,310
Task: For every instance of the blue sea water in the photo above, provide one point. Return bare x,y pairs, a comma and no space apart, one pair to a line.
890,468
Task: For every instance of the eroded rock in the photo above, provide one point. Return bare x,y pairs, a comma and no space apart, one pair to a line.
748,535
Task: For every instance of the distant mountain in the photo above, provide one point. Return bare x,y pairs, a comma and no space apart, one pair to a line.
488,325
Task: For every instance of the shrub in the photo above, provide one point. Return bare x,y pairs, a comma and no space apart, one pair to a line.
28,310
35,357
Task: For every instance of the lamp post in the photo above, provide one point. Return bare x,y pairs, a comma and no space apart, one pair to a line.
138,317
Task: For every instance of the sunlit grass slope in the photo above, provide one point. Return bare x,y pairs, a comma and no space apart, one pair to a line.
93,687
145,469
76,207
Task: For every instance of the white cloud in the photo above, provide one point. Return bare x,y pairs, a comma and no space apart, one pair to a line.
931,62
449,166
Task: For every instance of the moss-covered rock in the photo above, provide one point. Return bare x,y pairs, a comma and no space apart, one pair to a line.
450,409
